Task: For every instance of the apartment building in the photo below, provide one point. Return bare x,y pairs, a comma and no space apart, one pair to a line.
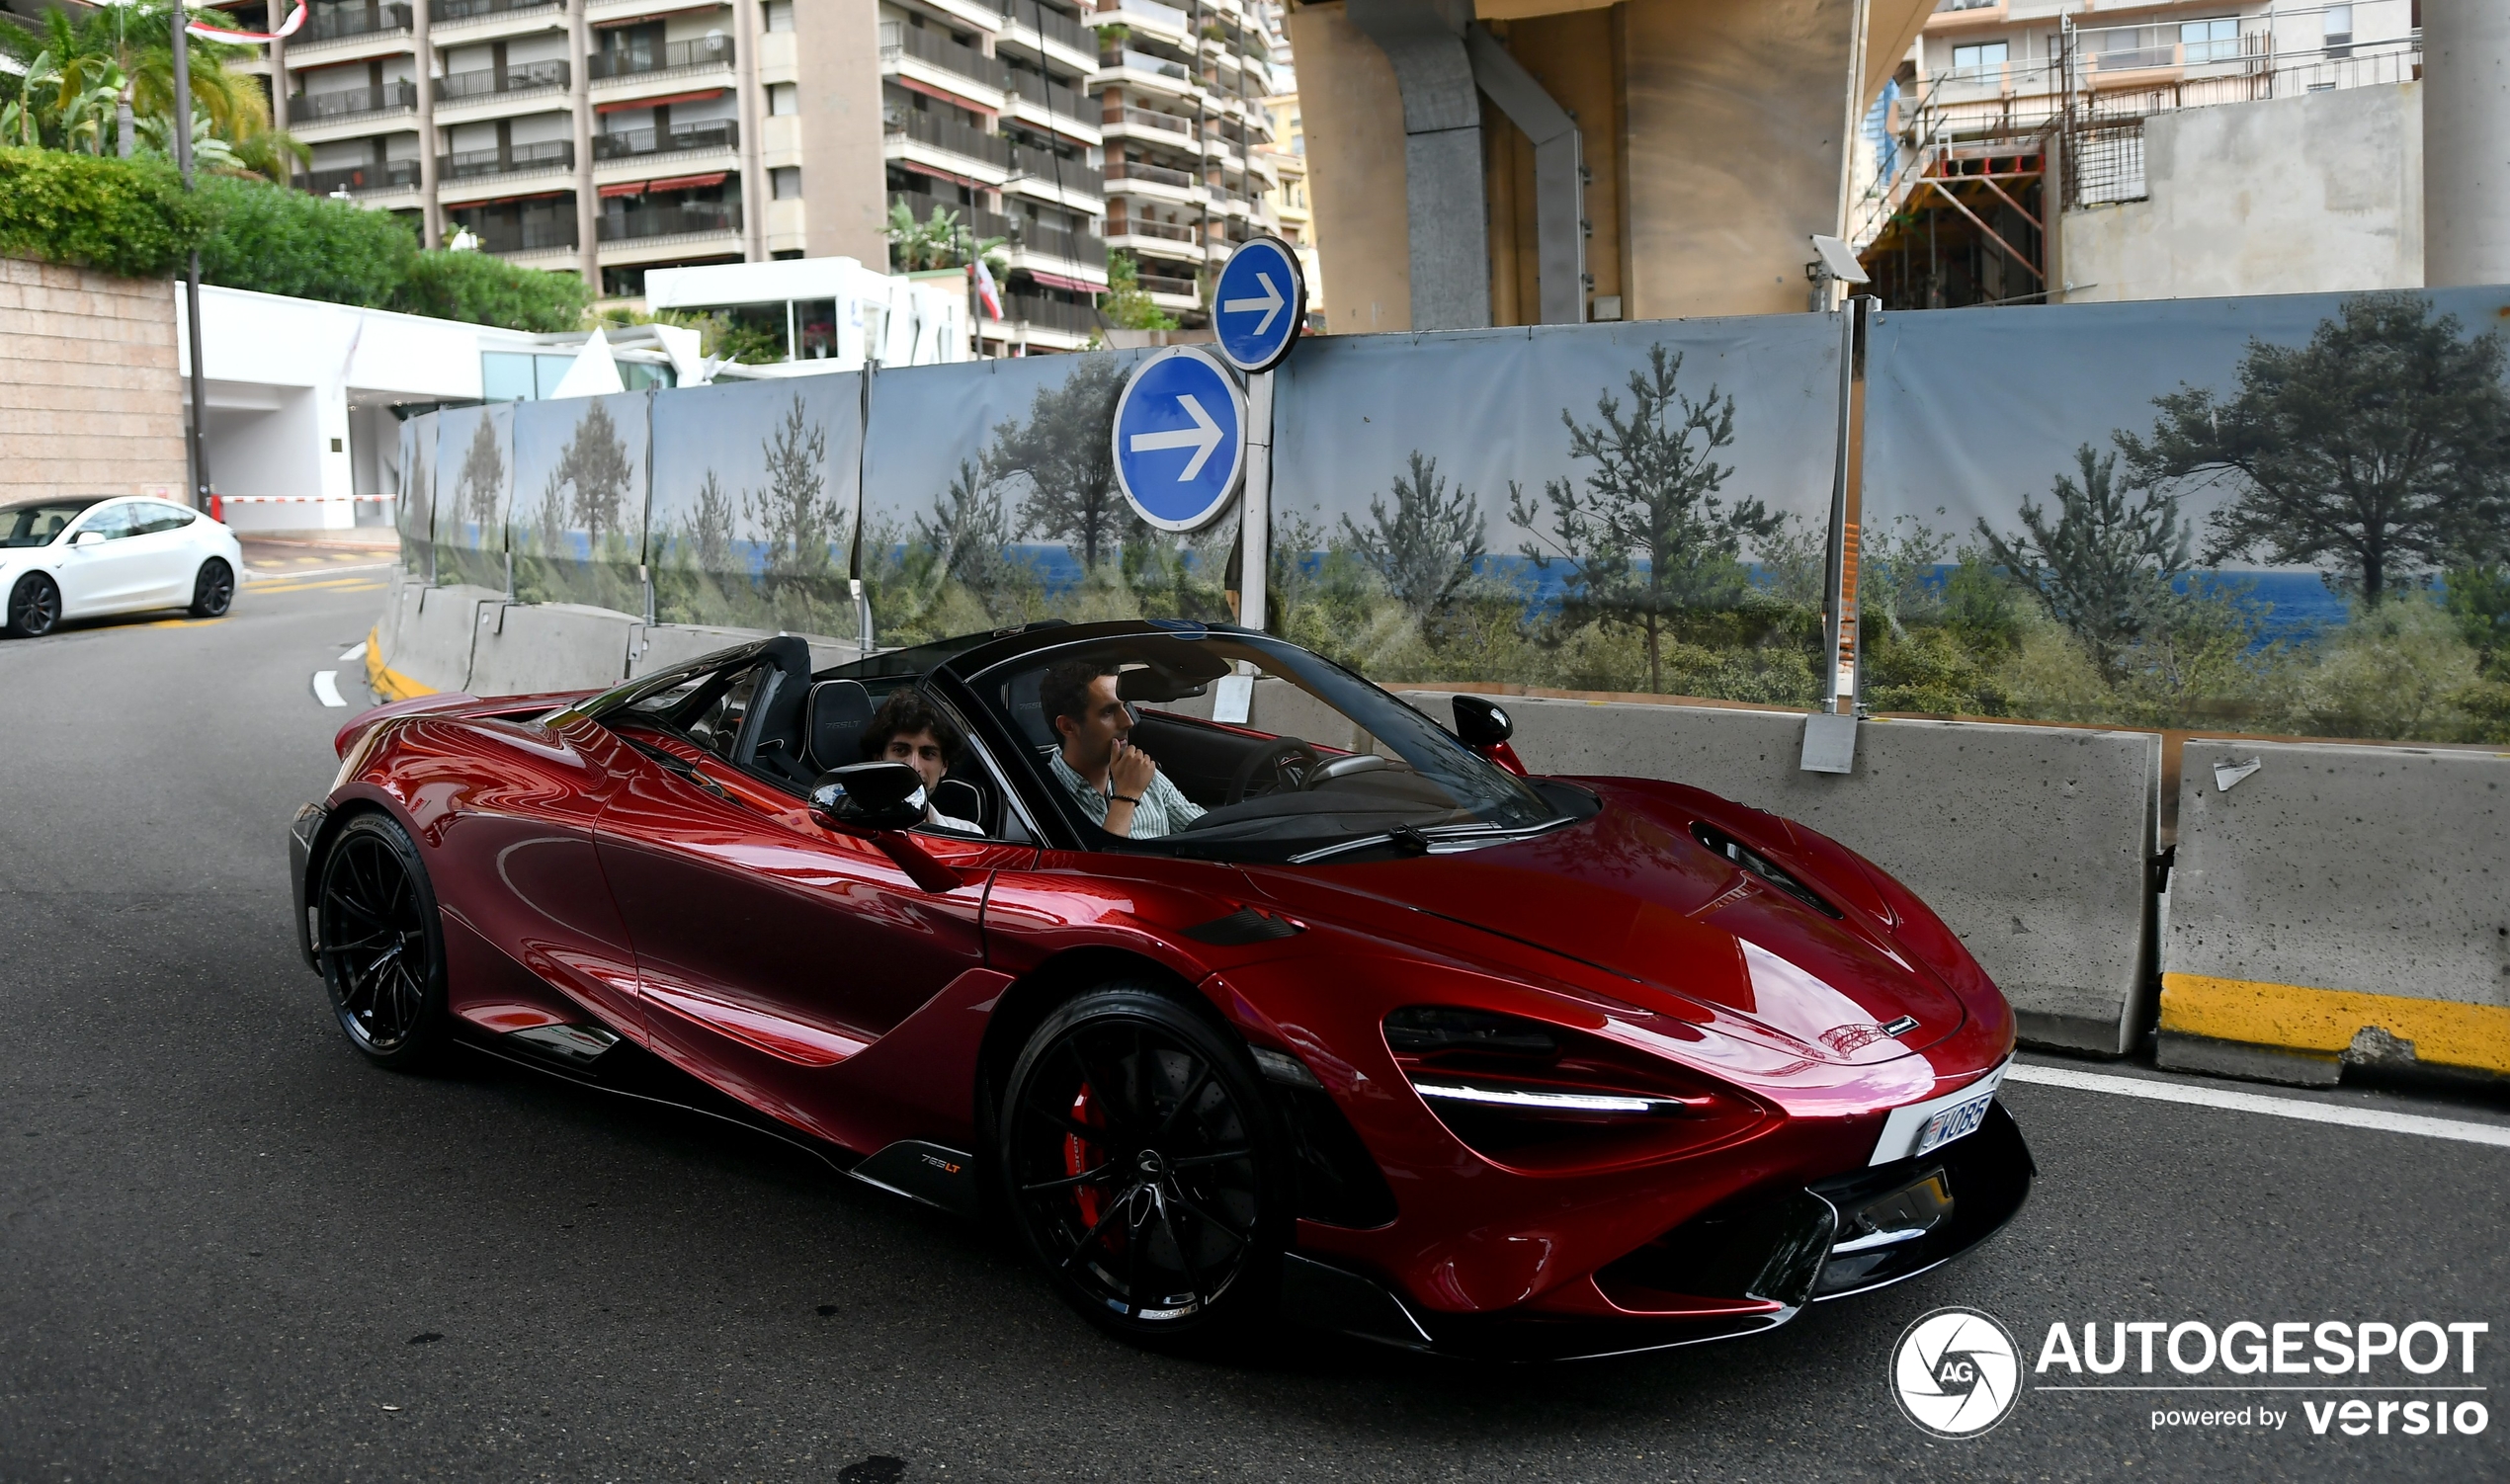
609,137
1289,201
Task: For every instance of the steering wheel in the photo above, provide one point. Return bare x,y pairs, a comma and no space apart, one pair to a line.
1280,755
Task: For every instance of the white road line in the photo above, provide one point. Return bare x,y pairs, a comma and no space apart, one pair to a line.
353,655
2279,1108
326,687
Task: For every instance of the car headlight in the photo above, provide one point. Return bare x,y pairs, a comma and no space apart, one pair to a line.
1538,1095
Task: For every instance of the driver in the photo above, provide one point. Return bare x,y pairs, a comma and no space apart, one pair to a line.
908,730
1113,783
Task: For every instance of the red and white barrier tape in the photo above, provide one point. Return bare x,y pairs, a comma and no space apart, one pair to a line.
210,33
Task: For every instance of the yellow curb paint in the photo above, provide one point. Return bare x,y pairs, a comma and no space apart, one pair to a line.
345,584
2294,1018
385,682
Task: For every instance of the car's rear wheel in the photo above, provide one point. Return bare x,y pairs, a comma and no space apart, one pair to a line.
213,591
383,946
35,607
1141,1165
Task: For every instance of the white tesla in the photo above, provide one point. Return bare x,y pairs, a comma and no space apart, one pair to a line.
78,556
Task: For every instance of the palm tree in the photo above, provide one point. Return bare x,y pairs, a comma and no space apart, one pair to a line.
119,61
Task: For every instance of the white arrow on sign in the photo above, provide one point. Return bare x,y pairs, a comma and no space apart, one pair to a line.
1270,304
1202,438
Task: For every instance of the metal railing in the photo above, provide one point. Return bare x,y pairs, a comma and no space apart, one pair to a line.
486,82
1066,174
1122,170
1164,122
626,143
518,232
315,108
331,23
1152,11
519,160
1144,226
391,175
1050,24
1154,282
635,60
948,134
979,222
675,221
899,41
1085,248
1043,312
464,10
1055,98
1143,61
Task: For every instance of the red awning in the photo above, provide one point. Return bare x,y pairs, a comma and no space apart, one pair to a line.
945,95
1058,280
507,200
632,187
646,103
689,181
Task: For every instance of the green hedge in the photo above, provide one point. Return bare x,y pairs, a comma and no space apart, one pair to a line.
130,217
133,217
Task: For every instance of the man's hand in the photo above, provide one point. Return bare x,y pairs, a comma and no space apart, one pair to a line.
1132,770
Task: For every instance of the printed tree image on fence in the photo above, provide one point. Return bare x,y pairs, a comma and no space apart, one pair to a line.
776,555
473,521
416,511
584,537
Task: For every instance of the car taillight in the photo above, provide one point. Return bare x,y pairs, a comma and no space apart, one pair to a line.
1537,1096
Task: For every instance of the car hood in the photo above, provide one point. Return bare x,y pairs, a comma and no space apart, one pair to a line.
1633,894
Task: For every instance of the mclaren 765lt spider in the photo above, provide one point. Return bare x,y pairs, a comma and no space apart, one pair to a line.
1232,984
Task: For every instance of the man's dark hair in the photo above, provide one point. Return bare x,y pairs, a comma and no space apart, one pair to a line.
905,713
1065,690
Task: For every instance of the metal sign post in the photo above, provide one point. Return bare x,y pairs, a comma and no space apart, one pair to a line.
1260,308
1830,734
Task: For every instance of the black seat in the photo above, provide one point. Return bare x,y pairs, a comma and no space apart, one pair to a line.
772,741
840,709
961,799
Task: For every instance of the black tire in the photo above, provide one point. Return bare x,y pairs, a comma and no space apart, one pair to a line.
213,591
35,607
383,945
1140,1162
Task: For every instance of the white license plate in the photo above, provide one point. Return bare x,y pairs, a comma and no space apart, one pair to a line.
1952,1122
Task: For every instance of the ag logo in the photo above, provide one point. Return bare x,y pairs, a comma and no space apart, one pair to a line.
1957,1372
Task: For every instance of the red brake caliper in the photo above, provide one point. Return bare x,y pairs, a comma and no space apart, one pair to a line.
1080,1155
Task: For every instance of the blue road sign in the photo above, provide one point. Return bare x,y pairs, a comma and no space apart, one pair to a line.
1261,301
1180,438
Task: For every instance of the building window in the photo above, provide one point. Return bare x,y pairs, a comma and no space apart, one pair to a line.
1977,61
780,15
785,181
2215,39
2336,22
784,99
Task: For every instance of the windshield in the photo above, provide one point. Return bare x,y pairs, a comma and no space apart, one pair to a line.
36,524
1255,749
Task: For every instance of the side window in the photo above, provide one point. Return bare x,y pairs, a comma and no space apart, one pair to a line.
715,724
112,522
148,520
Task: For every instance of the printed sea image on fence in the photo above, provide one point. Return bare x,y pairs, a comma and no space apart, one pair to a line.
2283,515
474,479
1625,508
753,507
990,499
576,521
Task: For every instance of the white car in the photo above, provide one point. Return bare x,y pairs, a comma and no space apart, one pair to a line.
78,556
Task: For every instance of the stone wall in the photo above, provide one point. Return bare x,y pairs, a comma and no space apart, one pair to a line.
91,401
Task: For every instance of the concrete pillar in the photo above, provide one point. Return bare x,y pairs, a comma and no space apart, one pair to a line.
844,180
2466,142
755,192
1444,197
579,97
423,65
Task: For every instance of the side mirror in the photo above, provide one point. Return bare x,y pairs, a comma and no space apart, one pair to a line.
88,538
870,797
1481,722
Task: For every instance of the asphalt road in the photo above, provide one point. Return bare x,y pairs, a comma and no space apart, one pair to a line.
233,1250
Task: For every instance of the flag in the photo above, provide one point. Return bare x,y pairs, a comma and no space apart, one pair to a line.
985,293
209,32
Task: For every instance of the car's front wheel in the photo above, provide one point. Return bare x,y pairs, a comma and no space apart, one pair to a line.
35,607
381,947
1139,1159
213,591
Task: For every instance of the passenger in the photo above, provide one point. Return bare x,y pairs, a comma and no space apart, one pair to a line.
1115,783
908,730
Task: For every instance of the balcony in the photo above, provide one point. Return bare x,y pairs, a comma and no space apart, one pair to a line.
472,10
520,159
1057,99
1121,171
948,134
488,82
335,23
1042,312
628,143
1159,122
646,60
1051,24
1150,15
685,219
1164,231
549,229
899,41
349,103
362,179
1069,177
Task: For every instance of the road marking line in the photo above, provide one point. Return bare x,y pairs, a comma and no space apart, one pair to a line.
2256,1102
341,584
326,688
353,655
256,576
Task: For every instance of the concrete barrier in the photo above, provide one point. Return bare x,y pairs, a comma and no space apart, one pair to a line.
431,642
660,646
2334,905
2033,843
525,647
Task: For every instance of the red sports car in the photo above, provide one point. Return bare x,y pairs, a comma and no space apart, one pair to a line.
1232,983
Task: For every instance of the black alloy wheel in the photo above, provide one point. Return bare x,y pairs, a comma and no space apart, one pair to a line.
35,607
380,945
213,591
1140,1162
